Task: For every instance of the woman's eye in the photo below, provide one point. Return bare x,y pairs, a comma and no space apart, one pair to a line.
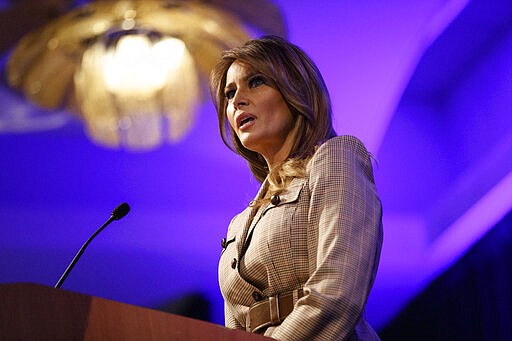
229,94
256,81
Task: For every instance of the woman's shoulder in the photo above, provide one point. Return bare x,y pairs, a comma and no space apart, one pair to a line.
341,155
342,144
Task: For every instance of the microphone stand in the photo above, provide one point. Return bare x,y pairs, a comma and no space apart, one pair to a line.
118,213
80,252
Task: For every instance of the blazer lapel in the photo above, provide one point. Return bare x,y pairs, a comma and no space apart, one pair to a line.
249,217
289,195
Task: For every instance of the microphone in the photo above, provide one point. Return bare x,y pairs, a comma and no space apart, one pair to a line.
118,213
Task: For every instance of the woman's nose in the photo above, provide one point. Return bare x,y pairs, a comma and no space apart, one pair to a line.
240,98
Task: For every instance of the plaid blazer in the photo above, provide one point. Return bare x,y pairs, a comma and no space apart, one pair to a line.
324,235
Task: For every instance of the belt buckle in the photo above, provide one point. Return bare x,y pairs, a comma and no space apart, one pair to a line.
254,319
275,317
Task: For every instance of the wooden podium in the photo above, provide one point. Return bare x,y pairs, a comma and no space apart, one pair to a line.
37,312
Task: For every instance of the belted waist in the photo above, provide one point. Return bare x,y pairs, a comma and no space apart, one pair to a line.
271,311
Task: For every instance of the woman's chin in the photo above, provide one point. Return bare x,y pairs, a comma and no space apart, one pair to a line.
249,143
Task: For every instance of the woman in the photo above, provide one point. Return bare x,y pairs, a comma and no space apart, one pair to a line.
299,262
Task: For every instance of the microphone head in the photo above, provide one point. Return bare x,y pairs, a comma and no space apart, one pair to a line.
120,211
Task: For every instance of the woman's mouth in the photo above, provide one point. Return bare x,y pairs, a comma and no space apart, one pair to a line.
244,120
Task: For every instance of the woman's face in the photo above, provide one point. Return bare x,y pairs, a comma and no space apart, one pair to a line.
258,113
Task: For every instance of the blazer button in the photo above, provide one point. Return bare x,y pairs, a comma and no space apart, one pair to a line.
275,200
256,295
233,263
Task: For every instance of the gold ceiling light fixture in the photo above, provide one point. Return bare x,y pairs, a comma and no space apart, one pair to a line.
134,71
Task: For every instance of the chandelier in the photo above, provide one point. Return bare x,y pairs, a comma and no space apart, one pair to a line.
134,71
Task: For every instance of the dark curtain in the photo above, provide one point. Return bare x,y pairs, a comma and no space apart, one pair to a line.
472,300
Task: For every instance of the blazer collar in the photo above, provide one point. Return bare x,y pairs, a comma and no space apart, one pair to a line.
253,215
290,194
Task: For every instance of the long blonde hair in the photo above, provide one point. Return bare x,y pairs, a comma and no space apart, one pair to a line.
300,83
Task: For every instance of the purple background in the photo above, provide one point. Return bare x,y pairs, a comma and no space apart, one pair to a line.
427,86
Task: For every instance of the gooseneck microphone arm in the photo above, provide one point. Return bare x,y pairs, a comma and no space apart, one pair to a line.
118,213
